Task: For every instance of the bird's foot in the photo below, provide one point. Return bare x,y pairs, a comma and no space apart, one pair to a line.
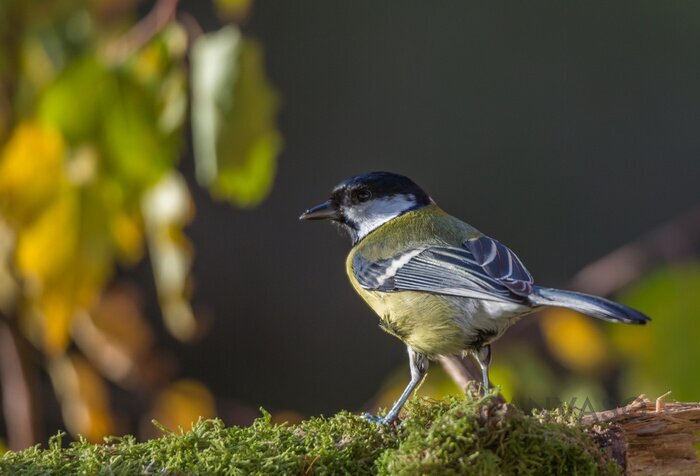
378,420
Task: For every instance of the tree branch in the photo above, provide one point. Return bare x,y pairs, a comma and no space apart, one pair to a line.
17,399
674,241
162,13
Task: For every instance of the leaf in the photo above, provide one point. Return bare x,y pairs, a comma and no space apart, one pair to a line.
73,103
136,150
31,171
167,207
116,114
83,396
65,257
47,247
45,250
664,354
234,107
55,308
116,337
182,404
71,183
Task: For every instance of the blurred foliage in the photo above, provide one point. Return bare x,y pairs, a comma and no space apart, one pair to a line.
666,355
93,105
182,403
455,436
575,340
83,395
233,127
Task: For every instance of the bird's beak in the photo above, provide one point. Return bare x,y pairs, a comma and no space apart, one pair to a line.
325,211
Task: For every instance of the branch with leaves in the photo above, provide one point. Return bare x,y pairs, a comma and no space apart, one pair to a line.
93,119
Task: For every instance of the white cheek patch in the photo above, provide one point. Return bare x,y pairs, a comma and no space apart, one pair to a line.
370,215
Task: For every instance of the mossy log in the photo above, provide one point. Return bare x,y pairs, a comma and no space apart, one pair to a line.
470,436
648,437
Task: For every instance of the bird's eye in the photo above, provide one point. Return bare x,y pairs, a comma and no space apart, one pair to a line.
363,195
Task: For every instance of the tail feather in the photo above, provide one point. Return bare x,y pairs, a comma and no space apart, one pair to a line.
593,306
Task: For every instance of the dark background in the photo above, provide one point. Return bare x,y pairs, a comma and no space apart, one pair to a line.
563,129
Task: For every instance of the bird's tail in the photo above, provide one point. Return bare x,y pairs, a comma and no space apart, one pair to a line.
593,306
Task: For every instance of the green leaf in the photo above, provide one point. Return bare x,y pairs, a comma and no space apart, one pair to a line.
72,102
664,354
236,142
90,103
134,144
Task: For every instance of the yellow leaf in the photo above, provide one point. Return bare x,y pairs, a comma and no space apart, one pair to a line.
47,247
151,62
183,403
83,396
31,170
127,234
115,336
64,260
56,309
574,340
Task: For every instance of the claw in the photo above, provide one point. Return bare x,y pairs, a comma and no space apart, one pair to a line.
376,419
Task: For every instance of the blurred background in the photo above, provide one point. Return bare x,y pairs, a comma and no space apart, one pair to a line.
155,156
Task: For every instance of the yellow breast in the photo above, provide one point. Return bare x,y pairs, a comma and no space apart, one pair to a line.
428,323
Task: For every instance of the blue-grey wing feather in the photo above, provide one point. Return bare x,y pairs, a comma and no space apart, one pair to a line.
491,272
501,263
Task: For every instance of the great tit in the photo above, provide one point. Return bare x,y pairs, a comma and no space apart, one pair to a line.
437,283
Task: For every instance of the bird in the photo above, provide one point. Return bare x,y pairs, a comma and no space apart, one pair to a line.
437,283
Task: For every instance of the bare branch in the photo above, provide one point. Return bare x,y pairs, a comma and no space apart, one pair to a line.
162,13
673,242
17,400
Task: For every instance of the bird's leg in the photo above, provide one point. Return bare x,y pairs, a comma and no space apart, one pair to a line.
483,358
419,367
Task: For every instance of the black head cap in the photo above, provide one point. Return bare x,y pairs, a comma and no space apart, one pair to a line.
380,185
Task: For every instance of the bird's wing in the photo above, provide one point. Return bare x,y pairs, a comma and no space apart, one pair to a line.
481,268
499,262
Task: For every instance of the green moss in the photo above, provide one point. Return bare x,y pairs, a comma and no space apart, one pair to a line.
485,437
455,436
